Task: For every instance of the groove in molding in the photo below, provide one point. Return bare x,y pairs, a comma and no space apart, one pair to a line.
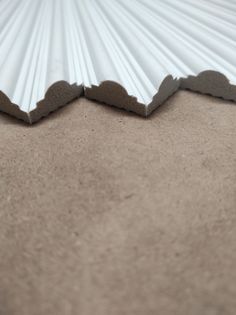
131,54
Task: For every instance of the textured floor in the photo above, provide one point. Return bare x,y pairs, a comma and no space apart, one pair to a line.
104,212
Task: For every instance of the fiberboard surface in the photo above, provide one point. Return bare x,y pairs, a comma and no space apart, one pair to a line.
103,212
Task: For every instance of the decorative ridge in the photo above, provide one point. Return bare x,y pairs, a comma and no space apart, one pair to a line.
112,93
207,82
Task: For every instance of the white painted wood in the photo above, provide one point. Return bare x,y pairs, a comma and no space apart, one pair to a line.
139,44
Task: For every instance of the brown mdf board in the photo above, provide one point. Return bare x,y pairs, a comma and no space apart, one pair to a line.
102,211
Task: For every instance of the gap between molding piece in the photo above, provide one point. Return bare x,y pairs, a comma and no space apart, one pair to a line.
112,93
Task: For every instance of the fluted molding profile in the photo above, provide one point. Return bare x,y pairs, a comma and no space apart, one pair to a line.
130,54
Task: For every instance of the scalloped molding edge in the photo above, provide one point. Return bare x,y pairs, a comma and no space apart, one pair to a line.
112,93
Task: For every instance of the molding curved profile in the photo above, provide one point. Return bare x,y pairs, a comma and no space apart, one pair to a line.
58,95
130,54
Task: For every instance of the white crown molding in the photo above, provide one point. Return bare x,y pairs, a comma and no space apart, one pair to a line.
131,54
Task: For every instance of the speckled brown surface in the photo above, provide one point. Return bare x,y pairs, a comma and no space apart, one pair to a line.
104,212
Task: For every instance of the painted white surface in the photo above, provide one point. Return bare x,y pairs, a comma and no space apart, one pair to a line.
135,43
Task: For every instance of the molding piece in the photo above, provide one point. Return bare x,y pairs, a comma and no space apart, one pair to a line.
114,94
130,54
58,95
212,83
